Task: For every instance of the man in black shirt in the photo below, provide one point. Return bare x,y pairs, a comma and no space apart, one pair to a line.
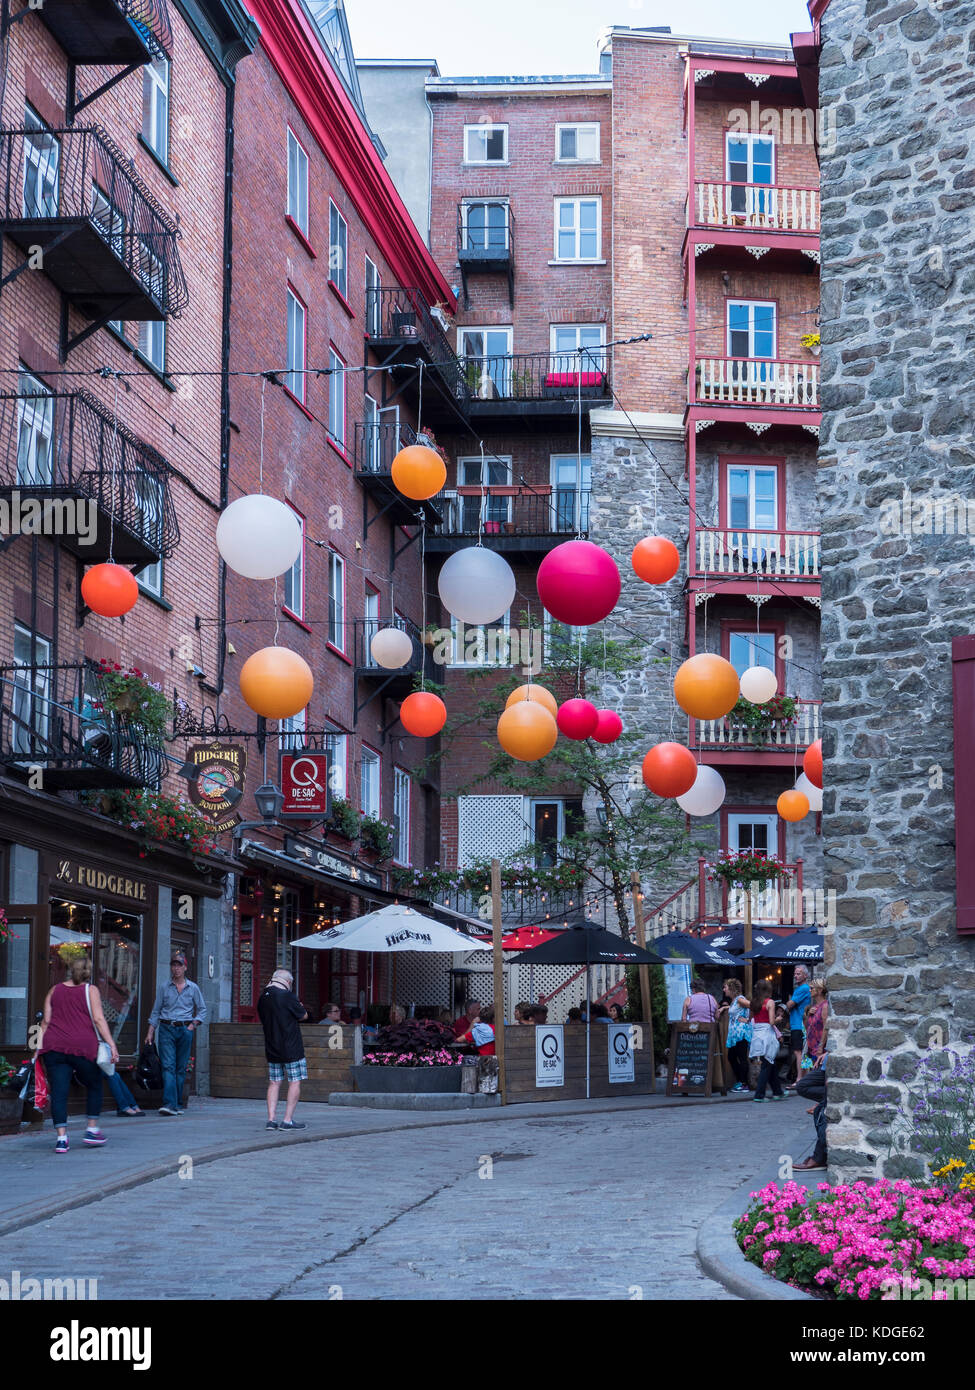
280,1011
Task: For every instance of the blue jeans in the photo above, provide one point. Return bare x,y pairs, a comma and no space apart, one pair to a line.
175,1045
59,1067
123,1097
769,1074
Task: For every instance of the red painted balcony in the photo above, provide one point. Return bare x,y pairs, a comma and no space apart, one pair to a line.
756,207
755,381
700,901
730,740
755,554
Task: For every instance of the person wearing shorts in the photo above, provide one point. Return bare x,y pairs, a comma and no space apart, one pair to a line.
281,1011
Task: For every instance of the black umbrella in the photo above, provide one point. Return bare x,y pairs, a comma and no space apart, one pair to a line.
800,946
733,939
678,946
588,946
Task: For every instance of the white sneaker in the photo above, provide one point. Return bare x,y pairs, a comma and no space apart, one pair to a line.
165,1110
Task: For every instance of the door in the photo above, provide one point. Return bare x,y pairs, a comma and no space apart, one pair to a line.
42,160
753,511
486,226
751,336
493,510
760,833
751,171
370,627
571,485
487,356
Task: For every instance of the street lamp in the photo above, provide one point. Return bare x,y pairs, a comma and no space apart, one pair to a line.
269,802
602,816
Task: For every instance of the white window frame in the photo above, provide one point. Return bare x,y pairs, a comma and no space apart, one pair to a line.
295,576
150,497
750,138
402,795
488,200
483,127
752,304
492,638
369,757
296,346
31,701
535,801
35,423
156,93
488,507
577,126
371,623
336,601
752,469
42,167
578,489
594,362
337,399
297,183
577,635
292,732
152,343
576,229
337,748
338,250
373,288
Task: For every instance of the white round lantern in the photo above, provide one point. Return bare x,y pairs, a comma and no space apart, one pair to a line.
477,585
706,795
258,536
758,684
812,793
391,648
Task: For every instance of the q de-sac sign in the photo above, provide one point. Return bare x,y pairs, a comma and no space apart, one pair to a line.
304,784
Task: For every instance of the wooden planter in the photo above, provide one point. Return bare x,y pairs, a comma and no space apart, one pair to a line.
409,1080
11,1110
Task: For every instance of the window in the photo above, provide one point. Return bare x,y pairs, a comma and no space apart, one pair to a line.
152,272
336,600
293,732
480,646
338,250
561,642
32,691
336,399
578,347
491,509
750,159
297,184
369,794
747,649
487,360
401,815
337,749
294,581
485,144
577,144
108,221
295,379
150,501
371,625
42,159
578,230
35,432
751,329
152,343
753,496
485,225
155,107
571,487
547,831
374,286
117,976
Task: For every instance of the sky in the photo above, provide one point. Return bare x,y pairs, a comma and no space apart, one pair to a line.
539,36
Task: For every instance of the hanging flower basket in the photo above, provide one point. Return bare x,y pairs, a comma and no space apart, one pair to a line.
742,868
133,695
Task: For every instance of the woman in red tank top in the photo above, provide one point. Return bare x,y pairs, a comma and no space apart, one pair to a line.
765,1042
69,1044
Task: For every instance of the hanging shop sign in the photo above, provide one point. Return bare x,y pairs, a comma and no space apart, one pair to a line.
304,783
620,1049
549,1055
321,858
222,768
76,874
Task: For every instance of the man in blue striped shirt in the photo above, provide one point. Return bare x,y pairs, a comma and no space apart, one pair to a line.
178,1011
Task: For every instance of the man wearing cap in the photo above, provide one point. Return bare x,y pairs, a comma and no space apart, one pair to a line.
178,1011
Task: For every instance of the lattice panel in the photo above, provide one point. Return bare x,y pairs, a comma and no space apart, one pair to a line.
492,826
421,978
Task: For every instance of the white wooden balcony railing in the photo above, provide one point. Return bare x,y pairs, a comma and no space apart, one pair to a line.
762,207
756,381
794,554
731,733
701,900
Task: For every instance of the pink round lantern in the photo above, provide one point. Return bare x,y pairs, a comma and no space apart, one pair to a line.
578,583
609,726
577,719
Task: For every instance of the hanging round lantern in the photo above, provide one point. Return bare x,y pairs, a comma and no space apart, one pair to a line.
706,795
758,684
534,692
609,726
812,763
276,682
391,648
423,714
418,472
812,793
669,769
109,590
527,731
577,719
706,686
477,585
258,536
578,583
792,805
655,559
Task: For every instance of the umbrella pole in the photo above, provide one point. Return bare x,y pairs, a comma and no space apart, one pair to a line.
499,1019
588,1016
748,939
641,941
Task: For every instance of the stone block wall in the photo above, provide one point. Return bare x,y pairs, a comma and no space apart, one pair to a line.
897,325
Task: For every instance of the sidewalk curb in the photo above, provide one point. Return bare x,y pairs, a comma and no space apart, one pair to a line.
22,1217
720,1257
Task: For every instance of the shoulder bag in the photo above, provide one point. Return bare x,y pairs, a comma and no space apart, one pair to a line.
104,1058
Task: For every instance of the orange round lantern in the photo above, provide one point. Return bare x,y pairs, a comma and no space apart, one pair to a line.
423,714
419,472
706,686
669,769
793,805
527,731
276,682
655,559
109,590
812,763
534,692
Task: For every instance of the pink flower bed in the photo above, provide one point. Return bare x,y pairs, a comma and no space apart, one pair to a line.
847,1242
441,1058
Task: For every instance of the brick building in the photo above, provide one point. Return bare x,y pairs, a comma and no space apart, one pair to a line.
112,323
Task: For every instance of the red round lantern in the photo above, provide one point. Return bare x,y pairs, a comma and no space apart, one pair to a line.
577,719
109,590
669,769
609,726
578,583
812,763
423,714
793,805
655,559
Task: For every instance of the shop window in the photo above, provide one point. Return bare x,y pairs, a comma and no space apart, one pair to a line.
119,964
72,936
15,956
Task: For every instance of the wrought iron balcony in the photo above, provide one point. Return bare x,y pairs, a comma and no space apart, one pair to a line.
776,554
101,489
105,242
756,381
375,447
756,207
59,718
401,326
485,241
510,518
109,33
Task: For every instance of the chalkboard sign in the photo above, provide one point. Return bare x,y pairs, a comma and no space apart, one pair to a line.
690,1067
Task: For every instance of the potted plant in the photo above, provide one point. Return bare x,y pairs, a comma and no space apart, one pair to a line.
377,835
761,721
11,1105
131,694
742,868
414,1057
810,342
429,441
160,819
344,819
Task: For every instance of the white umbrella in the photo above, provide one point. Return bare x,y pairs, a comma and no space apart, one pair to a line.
393,928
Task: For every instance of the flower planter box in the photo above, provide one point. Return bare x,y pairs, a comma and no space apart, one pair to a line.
409,1080
11,1110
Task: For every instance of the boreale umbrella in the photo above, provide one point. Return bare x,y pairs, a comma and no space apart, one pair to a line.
589,946
700,950
733,939
801,945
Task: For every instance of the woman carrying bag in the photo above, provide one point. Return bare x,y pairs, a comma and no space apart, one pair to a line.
73,1032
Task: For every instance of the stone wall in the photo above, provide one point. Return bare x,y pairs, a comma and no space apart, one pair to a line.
898,319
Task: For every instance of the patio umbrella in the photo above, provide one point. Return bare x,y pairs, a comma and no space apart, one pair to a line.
392,928
589,946
733,939
801,945
678,946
